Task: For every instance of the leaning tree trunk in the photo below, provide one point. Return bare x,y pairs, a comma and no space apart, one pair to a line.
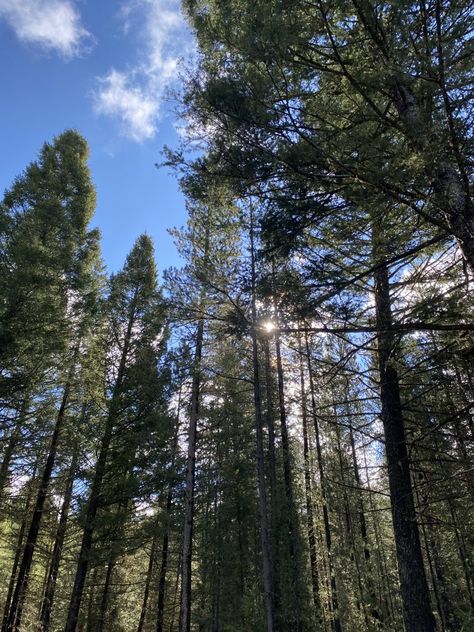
50,589
146,592
19,546
100,470
16,607
414,590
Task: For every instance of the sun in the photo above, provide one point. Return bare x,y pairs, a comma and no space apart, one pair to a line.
268,326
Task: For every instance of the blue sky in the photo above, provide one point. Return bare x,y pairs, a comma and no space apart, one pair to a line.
104,67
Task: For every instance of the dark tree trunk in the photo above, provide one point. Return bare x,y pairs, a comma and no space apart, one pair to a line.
165,544
308,494
17,603
262,496
18,550
100,470
185,611
293,618
10,448
270,419
105,594
336,621
448,176
146,592
414,590
187,555
47,604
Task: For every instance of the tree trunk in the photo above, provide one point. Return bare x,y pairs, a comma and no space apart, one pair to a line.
19,547
293,618
17,603
105,594
47,604
165,544
334,602
185,612
10,448
262,498
100,470
146,592
185,606
362,521
450,183
413,585
308,494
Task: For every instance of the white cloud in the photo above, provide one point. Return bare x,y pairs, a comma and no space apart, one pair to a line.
137,111
133,96
52,24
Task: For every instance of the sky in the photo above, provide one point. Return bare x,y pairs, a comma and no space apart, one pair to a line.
105,68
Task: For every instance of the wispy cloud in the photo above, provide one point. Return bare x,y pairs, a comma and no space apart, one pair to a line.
134,95
51,24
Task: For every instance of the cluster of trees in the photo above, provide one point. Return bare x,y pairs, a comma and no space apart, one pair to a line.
281,437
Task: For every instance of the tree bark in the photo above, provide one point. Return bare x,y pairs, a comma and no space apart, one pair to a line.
294,617
50,589
262,497
19,547
185,611
105,594
100,470
334,601
17,603
10,448
308,493
414,590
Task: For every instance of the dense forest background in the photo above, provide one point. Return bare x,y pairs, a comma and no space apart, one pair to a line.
279,435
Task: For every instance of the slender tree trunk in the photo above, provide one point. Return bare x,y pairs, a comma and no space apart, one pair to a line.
463,556
175,604
18,550
274,530
105,594
270,419
146,592
91,620
308,494
262,497
100,470
10,448
47,604
17,603
185,612
362,605
187,555
385,588
362,521
166,532
86,544
413,585
334,602
294,618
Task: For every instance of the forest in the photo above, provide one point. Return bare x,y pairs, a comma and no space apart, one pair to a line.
277,436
